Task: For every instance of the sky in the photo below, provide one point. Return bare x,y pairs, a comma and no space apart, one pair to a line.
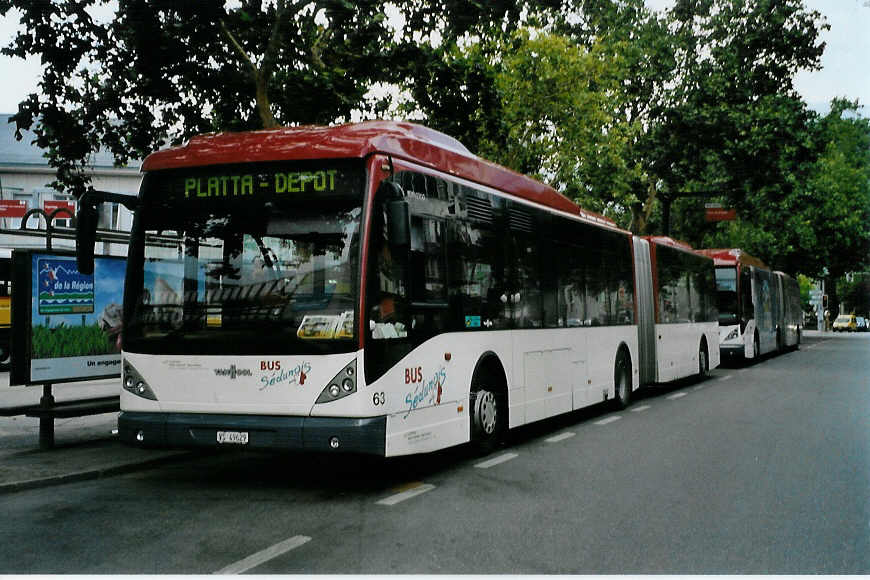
845,72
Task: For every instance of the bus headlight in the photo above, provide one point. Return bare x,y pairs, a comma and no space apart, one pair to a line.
133,382
341,385
731,335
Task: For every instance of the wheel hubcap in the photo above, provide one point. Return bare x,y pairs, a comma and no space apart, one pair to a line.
486,412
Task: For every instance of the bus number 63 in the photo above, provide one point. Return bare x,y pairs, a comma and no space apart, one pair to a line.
379,399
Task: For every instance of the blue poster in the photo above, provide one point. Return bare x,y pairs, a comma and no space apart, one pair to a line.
62,289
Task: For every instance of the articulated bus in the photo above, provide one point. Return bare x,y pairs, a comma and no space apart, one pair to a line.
377,288
759,310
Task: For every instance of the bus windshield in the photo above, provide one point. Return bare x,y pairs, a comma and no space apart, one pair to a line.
254,260
726,295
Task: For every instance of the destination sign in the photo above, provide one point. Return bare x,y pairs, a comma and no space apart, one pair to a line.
265,183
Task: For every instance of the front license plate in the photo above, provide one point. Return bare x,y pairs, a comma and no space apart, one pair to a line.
233,437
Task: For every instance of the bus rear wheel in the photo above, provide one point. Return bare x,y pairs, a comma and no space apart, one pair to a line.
703,362
756,346
5,358
622,380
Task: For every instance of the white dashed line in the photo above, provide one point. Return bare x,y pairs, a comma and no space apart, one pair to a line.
726,377
607,420
496,460
562,437
677,395
264,555
641,408
414,491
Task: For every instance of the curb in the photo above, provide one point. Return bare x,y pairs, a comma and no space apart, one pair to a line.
96,473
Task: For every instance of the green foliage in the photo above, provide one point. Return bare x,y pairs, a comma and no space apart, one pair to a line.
611,103
855,294
559,103
805,284
159,72
64,341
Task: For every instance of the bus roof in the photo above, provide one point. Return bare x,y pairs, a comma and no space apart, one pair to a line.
668,241
733,257
406,141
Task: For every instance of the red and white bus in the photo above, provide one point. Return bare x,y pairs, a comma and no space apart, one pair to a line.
759,310
376,288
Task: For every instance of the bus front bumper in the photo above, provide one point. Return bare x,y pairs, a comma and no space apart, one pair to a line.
731,352
338,435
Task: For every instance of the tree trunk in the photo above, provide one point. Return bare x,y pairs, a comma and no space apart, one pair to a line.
641,211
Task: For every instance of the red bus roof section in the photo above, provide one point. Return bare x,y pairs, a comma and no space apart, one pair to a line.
667,241
733,257
406,141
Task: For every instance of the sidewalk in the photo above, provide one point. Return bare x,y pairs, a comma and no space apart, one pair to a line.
85,447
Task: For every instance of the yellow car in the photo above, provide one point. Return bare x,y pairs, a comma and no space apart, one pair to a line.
845,323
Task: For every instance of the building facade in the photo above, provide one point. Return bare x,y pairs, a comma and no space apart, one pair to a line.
25,176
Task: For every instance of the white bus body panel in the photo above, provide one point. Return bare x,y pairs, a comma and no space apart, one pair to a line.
678,346
546,371
248,385
425,396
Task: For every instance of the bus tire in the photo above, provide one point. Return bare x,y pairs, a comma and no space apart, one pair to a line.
779,344
488,413
622,380
703,361
756,346
5,357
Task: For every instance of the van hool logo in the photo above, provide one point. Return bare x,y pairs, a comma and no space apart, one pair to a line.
233,372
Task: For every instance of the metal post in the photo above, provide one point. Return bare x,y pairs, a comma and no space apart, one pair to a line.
46,422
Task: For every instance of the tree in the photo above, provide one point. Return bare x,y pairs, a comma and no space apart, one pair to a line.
561,110
735,123
161,71
447,59
563,94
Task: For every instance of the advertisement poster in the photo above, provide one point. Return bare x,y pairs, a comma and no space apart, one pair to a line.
73,326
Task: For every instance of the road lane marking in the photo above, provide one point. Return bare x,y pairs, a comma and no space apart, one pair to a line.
677,395
413,491
496,460
264,555
608,420
726,377
562,437
641,408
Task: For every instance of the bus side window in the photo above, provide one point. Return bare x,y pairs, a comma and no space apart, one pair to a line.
572,299
476,280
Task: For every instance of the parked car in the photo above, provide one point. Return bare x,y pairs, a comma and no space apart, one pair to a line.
862,323
846,323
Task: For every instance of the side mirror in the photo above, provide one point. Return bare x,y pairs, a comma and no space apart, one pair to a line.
399,223
86,235
398,213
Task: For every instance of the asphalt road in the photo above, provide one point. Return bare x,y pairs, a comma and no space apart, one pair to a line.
762,469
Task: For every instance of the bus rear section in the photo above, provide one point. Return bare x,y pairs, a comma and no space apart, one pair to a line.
678,324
